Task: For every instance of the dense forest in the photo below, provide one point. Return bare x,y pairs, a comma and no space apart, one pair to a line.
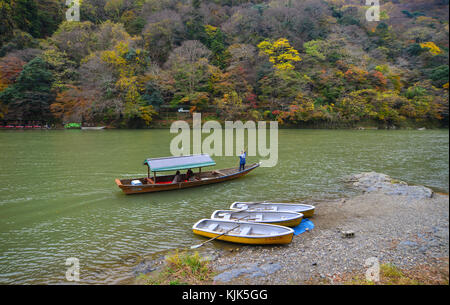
302,62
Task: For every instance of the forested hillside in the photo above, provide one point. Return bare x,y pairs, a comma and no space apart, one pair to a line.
302,62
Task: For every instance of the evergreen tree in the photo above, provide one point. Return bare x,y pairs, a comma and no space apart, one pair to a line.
30,97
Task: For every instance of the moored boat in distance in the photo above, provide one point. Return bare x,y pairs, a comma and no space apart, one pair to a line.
288,219
306,209
243,232
172,182
93,128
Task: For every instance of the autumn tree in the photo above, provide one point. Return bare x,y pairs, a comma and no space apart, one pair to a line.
162,33
431,47
215,41
10,68
62,67
73,105
281,54
189,66
129,64
7,24
74,39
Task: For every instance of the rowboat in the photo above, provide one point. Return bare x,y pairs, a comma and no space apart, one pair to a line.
288,219
93,128
244,232
306,209
168,182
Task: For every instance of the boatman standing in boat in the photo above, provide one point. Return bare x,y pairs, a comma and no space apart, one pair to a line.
242,160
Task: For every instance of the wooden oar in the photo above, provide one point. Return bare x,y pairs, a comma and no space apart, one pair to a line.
199,245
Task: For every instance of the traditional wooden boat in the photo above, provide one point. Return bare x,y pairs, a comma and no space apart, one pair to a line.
306,209
93,128
243,232
288,219
168,182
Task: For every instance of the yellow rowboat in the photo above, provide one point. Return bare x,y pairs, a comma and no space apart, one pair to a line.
244,232
288,219
305,209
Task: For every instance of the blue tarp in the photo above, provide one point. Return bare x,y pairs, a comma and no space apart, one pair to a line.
305,224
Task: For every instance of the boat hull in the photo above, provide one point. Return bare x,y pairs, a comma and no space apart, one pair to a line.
261,234
208,178
276,240
93,128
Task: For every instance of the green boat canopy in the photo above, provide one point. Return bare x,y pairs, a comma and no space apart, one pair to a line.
179,163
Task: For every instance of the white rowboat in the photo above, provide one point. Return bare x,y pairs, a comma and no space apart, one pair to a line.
93,128
288,219
306,209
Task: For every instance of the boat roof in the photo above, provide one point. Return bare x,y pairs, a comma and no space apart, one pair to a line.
178,163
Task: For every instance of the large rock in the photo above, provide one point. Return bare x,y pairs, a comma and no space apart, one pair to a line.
372,181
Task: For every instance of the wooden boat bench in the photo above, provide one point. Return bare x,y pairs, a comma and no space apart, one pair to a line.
227,216
246,231
213,226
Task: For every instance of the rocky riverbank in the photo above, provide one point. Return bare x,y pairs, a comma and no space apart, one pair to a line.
392,221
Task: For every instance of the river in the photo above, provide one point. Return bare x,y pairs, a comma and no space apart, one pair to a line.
58,198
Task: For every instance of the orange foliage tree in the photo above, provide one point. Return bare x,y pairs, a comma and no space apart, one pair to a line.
10,68
73,104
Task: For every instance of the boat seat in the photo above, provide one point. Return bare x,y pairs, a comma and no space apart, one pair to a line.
225,216
213,226
246,231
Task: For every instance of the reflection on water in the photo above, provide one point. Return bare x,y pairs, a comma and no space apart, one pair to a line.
58,198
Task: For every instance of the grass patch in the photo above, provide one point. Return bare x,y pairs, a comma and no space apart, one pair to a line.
182,268
389,275
436,273
392,275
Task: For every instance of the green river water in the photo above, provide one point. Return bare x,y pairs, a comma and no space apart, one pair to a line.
58,198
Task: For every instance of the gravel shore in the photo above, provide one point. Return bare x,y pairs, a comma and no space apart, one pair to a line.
407,227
